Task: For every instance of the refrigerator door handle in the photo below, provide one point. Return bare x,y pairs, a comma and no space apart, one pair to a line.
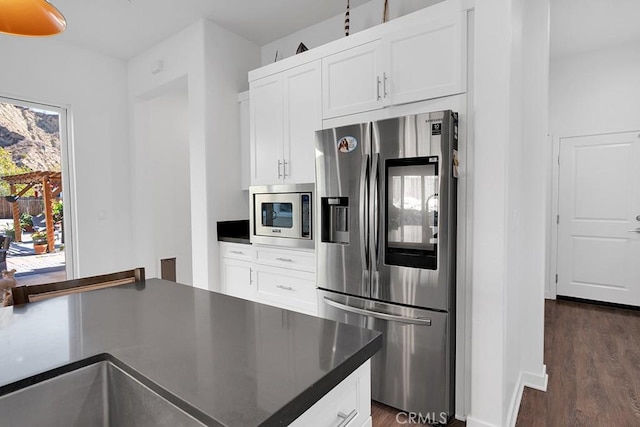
425,321
363,223
374,214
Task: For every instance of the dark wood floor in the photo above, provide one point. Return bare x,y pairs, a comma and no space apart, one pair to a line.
385,416
592,355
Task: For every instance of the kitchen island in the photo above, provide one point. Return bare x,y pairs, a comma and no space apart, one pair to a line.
225,361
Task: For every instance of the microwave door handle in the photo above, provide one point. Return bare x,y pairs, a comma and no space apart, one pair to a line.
363,223
378,315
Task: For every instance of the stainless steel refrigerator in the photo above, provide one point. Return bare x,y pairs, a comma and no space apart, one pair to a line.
386,243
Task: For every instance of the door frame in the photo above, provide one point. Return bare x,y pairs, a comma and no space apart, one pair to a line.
67,160
551,291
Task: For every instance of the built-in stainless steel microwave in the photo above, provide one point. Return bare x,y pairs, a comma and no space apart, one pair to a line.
282,215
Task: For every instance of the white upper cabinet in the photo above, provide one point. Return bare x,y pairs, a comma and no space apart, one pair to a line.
266,130
302,117
416,63
352,81
426,61
285,113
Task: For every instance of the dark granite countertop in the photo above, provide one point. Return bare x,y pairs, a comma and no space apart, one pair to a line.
228,361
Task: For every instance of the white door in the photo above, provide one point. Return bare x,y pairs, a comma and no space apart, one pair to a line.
427,61
266,131
599,224
352,81
302,117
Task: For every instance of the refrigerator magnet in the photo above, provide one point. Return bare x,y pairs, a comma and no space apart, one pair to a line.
347,144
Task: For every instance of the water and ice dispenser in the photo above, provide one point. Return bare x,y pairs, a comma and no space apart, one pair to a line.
335,220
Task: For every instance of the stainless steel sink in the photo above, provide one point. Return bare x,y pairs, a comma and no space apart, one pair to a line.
100,394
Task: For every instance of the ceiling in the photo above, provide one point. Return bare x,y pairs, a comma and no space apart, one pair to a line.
124,28
584,25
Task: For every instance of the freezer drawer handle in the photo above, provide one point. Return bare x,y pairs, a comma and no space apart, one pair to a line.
286,288
411,320
347,418
237,252
284,259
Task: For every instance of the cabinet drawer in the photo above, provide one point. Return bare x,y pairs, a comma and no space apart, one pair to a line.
351,398
236,251
289,289
297,260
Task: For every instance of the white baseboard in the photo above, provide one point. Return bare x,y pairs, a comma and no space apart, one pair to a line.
525,379
549,295
474,422
514,407
536,381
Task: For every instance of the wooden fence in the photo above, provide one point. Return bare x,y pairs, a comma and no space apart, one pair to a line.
33,205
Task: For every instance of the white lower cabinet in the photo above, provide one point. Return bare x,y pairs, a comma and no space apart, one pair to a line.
347,405
282,278
237,279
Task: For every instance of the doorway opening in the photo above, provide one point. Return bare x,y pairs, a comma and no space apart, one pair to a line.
32,196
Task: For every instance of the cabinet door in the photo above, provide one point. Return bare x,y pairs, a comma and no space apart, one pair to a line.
265,104
424,62
237,279
302,117
352,81
350,399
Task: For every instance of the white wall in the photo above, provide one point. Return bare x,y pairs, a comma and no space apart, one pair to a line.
228,59
491,107
94,89
214,63
361,17
169,152
509,207
595,92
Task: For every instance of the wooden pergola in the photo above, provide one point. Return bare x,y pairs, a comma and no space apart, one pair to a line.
51,188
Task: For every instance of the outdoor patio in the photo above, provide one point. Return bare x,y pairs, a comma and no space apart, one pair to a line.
31,268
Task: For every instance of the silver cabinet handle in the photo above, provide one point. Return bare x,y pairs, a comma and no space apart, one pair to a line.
286,288
251,276
384,84
284,259
637,230
237,252
384,316
279,173
347,418
378,87
284,168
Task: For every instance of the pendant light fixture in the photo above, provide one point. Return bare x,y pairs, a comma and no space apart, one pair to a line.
35,18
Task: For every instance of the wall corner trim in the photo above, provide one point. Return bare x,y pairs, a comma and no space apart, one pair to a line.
536,381
526,379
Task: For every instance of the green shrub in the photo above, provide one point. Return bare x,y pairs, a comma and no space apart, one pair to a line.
26,219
